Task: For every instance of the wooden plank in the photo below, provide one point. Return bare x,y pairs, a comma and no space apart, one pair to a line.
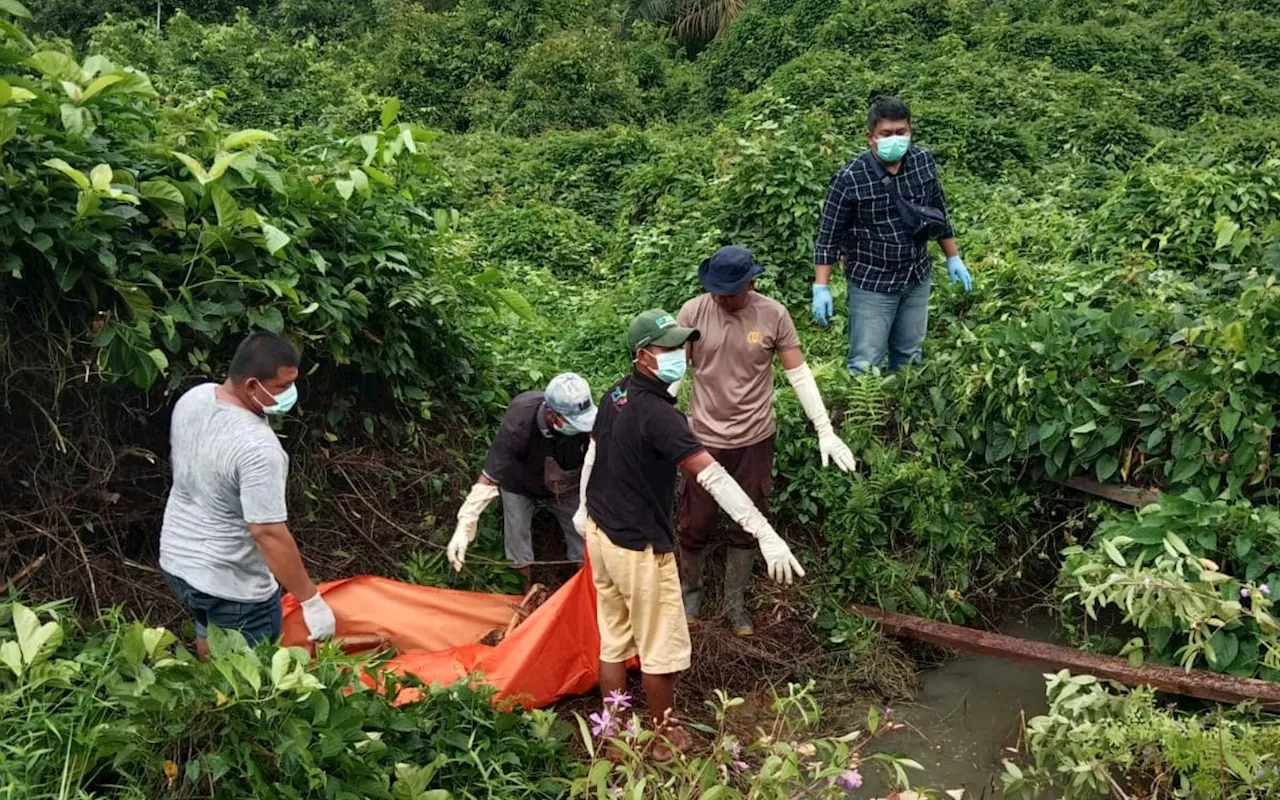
1197,683
1117,493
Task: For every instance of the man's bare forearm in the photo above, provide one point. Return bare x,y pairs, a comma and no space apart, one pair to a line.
280,551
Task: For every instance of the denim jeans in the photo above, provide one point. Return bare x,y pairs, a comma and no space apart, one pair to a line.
517,525
894,322
256,621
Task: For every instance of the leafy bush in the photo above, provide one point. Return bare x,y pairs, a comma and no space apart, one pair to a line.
1096,740
1193,577
790,764
128,709
578,79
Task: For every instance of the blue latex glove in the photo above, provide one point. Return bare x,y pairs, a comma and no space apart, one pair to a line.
822,308
958,273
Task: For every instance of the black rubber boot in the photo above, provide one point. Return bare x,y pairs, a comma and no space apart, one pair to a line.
691,564
737,577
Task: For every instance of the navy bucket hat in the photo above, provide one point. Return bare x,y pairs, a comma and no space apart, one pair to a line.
729,270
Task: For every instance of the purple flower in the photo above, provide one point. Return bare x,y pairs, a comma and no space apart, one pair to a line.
633,727
733,749
618,701
850,779
739,766
1264,589
603,724
888,711
1244,593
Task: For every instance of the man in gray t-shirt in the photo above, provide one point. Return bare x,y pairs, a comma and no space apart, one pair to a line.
225,542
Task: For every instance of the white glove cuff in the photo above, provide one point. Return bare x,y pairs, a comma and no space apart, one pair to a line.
588,463
313,602
730,496
478,499
806,388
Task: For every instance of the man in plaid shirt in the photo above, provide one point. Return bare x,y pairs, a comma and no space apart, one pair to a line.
886,258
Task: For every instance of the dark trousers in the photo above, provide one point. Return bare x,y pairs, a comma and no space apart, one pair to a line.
697,512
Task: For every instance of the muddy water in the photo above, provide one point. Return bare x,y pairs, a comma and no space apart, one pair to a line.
967,712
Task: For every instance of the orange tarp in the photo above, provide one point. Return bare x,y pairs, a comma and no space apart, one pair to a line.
436,634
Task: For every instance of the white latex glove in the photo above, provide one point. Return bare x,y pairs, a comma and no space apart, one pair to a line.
834,449
319,618
480,496
829,444
779,560
580,516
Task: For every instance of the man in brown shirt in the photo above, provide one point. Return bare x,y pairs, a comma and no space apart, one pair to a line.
731,412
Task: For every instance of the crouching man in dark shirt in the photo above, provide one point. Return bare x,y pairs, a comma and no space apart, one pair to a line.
537,456
639,443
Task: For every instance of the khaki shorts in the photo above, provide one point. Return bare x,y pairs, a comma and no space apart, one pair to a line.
638,605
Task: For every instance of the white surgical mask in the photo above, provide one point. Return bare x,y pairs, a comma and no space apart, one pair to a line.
284,402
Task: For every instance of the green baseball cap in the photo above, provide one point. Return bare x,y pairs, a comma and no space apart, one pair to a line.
658,327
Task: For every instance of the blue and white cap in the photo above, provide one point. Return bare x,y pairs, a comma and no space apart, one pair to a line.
569,395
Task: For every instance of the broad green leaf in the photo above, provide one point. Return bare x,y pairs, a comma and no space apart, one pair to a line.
72,90
35,640
1113,553
345,188
1233,336
222,163
247,137
193,166
360,180
71,172
54,65
517,303
6,92
1228,421
159,359
1106,466
281,665
1088,427
15,8
276,238
100,84
390,110
8,128
162,190
1226,229
369,143
100,176
76,120
225,206
11,657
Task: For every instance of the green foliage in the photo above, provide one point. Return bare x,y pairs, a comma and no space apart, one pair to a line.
1194,578
782,761
1095,739
576,79
125,707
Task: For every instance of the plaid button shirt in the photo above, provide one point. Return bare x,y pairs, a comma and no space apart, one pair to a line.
861,222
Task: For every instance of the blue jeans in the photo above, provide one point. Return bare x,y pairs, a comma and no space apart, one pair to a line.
895,322
255,621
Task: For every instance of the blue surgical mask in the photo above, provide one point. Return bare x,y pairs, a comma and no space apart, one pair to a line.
892,148
671,365
284,402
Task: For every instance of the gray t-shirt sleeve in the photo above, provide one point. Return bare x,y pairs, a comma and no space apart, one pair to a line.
264,472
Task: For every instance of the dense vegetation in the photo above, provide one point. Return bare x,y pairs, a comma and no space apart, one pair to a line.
447,204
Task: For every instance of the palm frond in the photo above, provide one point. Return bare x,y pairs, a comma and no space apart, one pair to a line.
703,20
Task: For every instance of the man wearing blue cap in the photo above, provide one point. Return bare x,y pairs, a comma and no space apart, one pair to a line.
731,412
536,456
